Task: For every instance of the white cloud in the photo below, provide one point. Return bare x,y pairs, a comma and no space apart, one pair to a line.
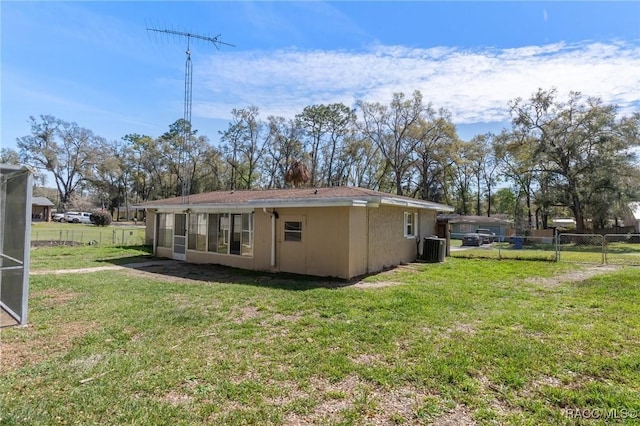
474,85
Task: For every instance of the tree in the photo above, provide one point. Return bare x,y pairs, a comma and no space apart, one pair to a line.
435,152
325,128
110,177
283,148
582,145
393,130
513,151
244,146
9,156
461,175
298,174
485,168
504,201
67,151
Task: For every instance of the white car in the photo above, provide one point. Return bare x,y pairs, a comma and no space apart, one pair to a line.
57,217
77,217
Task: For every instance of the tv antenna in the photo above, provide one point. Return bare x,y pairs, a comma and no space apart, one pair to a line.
188,91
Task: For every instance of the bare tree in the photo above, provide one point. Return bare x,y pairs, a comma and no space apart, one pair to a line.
393,130
67,151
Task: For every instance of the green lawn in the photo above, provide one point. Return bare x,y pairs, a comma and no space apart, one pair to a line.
494,342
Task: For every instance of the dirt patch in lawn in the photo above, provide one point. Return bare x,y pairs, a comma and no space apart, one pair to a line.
32,346
572,276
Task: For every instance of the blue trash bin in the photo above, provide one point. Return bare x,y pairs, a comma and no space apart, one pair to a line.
517,242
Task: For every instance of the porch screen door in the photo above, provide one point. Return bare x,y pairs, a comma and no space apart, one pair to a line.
180,236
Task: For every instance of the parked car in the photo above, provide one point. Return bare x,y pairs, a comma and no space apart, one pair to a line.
487,236
472,239
57,217
77,217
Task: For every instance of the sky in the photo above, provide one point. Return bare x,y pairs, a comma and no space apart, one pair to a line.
98,65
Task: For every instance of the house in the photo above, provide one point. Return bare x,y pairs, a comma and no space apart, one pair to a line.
632,218
339,232
41,209
460,225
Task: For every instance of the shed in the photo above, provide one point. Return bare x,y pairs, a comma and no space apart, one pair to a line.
41,209
338,231
632,217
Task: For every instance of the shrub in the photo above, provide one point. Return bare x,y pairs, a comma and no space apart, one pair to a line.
100,218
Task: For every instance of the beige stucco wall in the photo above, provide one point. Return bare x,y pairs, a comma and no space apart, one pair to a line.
427,220
358,241
341,242
387,244
326,239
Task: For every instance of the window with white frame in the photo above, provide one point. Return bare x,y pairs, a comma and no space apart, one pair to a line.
165,230
198,231
293,231
410,225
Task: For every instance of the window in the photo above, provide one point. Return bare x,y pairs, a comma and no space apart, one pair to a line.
198,232
231,233
465,227
410,224
293,231
165,230
247,234
222,243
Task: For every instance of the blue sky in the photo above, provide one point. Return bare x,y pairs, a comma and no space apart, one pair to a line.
94,63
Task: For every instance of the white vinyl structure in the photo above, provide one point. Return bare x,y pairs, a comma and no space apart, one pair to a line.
16,184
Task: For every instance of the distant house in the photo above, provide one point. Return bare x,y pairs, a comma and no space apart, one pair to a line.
340,231
41,209
460,225
633,216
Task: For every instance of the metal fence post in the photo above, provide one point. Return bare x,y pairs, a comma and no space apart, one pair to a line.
122,241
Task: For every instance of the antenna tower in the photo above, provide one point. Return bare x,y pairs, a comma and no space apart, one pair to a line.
188,90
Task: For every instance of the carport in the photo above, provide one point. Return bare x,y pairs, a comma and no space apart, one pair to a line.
16,183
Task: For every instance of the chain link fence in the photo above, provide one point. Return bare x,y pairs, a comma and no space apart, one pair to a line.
581,248
114,236
514,247
620,249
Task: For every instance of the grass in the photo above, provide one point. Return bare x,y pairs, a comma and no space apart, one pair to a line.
71,257
495,342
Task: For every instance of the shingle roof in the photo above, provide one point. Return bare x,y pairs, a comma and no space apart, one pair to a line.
294,196
41,201
456,218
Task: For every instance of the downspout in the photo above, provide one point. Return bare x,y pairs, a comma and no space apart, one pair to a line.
272,259
368,232
155,231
